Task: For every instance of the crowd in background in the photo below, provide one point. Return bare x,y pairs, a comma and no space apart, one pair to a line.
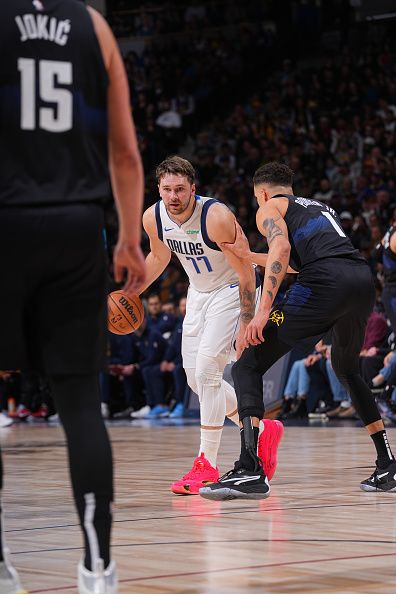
230,86
162,18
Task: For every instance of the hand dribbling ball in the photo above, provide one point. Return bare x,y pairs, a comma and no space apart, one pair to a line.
125,312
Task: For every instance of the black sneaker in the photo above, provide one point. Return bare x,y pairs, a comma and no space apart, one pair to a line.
238,483
382,479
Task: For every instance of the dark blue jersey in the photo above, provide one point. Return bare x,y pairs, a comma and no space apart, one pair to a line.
53,105
315,233
389,258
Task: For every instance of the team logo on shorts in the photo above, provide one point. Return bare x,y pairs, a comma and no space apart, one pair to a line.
277,317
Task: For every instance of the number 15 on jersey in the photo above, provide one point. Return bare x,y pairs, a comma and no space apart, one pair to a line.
57,116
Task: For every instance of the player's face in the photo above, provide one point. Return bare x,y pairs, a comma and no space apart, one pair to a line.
177,193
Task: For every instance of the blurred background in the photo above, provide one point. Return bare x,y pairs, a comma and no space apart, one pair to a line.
230,85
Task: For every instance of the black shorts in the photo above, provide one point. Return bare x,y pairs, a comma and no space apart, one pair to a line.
53,297
332,294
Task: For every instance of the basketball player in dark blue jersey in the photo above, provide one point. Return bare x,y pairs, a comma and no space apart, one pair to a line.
334,291
65,130
387,251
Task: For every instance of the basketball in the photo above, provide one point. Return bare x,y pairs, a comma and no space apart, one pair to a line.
125,312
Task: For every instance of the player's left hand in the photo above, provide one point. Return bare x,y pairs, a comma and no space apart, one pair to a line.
254,330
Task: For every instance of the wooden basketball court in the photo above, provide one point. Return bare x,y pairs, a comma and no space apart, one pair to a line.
316,533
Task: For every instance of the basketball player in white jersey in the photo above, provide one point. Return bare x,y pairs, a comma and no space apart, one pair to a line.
221,300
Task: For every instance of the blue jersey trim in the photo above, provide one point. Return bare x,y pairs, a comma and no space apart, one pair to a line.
258,281
158,220
205,235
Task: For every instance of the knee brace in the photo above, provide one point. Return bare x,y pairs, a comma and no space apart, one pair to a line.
208,378
190,374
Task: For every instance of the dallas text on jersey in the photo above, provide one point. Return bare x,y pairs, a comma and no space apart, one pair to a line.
187,248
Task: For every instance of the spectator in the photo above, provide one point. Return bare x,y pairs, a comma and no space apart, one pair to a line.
173,364
157,319
151,346
122,384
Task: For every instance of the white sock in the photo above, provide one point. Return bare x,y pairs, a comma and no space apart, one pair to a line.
234,418
210,443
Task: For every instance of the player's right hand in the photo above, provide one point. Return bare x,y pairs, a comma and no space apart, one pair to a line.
129,260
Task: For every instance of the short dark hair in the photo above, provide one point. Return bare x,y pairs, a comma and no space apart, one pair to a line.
274,174
177,166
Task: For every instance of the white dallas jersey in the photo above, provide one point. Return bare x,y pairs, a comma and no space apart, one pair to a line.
205,264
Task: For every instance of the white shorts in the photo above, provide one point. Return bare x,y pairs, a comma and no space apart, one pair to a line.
211,325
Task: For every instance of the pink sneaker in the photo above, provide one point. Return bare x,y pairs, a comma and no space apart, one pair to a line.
268,443
201,474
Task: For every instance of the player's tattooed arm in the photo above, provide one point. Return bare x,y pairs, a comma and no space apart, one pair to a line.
271,223
271,229
248,300
274,281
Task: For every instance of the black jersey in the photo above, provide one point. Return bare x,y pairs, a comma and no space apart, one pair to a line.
53,105
389,257
315,233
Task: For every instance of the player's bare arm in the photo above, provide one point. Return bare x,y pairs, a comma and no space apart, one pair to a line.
392,243
159,256
124,161
271,224
222,229
240,247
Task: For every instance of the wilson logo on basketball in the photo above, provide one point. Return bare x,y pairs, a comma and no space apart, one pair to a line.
125,312
129,309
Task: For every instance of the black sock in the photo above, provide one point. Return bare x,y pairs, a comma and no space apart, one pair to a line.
384,453
246,459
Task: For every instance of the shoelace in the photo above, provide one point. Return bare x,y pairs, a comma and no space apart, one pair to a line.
197,468
374,478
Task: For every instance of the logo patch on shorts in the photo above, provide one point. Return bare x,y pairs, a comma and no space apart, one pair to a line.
277,317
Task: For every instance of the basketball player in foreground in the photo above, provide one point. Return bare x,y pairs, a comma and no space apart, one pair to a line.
223,288
64,117
334,291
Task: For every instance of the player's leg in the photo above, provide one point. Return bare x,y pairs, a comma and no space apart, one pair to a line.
217,397
247,480
208,331
348,335
201,471
15,265
9,579
77,399
70,348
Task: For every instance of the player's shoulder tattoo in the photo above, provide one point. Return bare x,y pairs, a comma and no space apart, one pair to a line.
271,229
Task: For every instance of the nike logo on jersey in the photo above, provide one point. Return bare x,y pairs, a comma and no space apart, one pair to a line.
233,286
240,481
168,229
